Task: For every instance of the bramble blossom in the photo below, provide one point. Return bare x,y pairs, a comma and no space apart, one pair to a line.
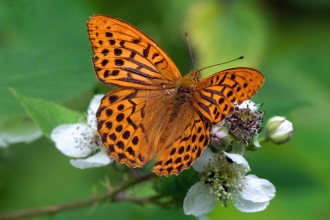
222,177
82,141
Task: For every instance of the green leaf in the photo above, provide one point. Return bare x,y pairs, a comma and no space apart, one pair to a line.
42,51
47,115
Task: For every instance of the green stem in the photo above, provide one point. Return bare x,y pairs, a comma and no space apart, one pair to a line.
109,195
263,139
156,200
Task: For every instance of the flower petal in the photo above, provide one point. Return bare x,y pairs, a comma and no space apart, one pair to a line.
249,206
198,200
249,104
74,140
97,160
206,157
256,189
92,109
243,165
203,217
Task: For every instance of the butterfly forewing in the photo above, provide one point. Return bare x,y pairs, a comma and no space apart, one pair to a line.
214,96
126,57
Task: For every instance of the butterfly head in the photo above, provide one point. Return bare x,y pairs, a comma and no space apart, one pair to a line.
188,82
186,86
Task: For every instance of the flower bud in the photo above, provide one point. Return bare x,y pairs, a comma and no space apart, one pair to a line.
220,139
279,130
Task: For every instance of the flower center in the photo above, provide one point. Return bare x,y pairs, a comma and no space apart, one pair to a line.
221,177
245,123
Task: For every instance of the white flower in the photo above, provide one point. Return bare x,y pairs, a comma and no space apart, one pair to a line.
81,140
16,130
222,177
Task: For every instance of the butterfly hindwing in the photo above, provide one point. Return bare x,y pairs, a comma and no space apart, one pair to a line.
126,57
214,96
130,129
185,149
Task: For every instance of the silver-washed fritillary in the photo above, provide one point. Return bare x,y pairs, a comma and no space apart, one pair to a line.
154,110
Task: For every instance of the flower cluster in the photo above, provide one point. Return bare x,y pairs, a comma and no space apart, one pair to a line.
222,175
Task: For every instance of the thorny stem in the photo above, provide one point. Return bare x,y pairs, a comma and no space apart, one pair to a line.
110,195
142,200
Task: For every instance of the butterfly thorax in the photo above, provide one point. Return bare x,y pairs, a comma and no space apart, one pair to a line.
185,87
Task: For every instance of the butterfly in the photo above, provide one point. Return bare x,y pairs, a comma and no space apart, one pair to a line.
154,110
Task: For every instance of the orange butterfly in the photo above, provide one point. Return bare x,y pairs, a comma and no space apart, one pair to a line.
155,110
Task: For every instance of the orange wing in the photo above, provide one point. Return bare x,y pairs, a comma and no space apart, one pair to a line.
126,57
214,96
186,146
135,125
128,122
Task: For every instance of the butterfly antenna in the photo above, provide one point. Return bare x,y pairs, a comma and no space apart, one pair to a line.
239,58
191,57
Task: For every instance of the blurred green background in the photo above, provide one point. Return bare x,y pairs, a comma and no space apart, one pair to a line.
45,53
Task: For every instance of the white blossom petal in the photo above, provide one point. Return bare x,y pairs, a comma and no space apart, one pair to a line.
249,206
206,157
198,200
257,190
74,140
239,160
203,217
92,109
285,127
248,103
98,160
